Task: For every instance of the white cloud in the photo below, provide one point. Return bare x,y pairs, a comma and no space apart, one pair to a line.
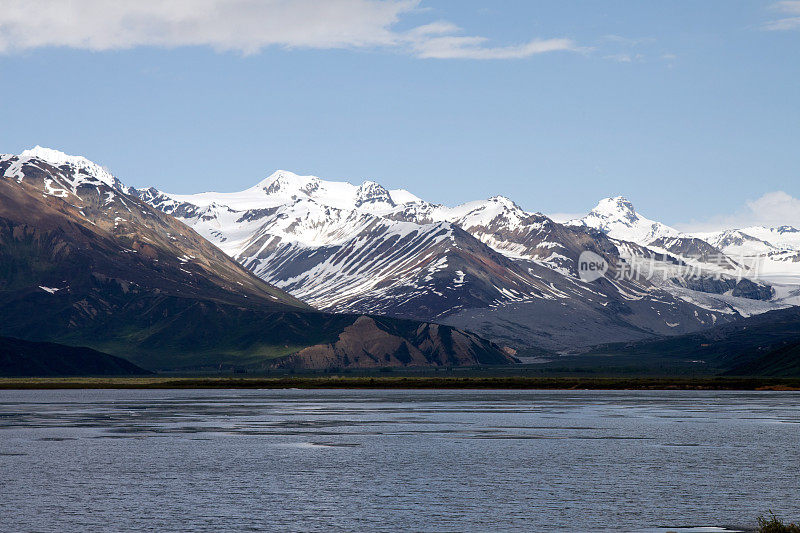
775,209
772,209
792,22
246,26
242,25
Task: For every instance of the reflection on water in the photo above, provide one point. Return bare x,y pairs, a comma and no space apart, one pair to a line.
294,460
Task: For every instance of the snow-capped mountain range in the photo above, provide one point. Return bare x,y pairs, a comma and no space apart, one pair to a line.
86,262
488,265
769,254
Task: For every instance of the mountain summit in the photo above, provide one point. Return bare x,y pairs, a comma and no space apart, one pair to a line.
617,218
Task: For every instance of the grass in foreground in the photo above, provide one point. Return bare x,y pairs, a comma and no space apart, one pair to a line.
400,382
774,525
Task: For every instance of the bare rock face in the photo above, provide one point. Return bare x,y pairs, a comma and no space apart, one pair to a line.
375,343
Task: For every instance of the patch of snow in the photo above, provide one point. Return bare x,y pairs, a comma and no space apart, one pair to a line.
51,290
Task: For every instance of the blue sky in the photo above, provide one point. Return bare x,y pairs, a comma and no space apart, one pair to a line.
690,109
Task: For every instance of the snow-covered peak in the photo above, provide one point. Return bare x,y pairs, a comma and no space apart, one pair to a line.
617,218
754,239
504,201
283,187
82,167
618,206
402,196
782,230
734,239
372,188
285,183
482,213
54,157
782,237
372,193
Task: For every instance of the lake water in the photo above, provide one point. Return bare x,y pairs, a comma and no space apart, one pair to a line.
290,460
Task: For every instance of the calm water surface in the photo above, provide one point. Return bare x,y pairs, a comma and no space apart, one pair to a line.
291,460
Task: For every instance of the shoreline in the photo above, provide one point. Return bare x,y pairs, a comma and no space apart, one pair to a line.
399,382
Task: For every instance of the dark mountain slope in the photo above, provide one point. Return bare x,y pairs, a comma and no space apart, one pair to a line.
780,362
25,358
766,344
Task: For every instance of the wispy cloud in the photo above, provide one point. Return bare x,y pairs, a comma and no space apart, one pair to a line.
621,49
790,8
776,208
246,26
625,58
453,47
627,41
